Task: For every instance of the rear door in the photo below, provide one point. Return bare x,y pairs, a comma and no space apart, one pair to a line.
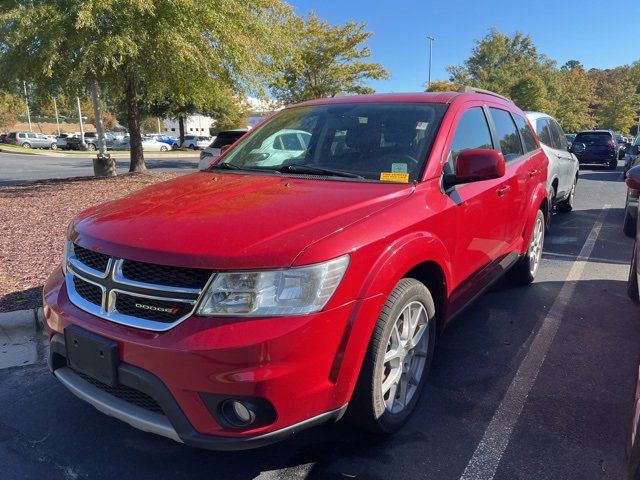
519,174
567,162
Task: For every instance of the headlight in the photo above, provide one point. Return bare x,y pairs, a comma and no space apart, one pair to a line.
293,291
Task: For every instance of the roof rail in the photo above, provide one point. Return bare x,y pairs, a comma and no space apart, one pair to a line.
468,89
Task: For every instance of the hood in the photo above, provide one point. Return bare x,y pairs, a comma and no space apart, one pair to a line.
229,221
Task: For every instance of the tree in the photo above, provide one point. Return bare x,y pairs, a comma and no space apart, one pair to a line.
443,86
143,51
328,60
575,95
530,93
618,108
498,62
10,106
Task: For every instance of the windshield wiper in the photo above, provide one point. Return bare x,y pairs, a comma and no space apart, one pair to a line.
310,170
227,166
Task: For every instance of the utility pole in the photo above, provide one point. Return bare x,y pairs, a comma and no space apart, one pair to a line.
431,40
159,132
80,120
55,107
26,100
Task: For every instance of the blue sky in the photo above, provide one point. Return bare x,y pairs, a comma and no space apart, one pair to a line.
598,36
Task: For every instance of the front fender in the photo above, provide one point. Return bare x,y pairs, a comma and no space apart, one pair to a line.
392,265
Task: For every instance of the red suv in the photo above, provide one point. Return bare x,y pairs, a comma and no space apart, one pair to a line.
230,308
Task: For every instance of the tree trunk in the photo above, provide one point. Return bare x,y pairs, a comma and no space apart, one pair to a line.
103,165
181,128
133,123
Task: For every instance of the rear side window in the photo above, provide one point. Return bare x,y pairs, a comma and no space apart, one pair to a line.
558,135
508,136
527,135
543,129
472,132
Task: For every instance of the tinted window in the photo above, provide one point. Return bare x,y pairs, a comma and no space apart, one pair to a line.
527,135
472,132
558,134
226,138
593,138
378,141
543,129
507,133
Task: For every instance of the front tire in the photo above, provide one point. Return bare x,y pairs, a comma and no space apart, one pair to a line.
525,270
54,146
26,145
164,149
397,361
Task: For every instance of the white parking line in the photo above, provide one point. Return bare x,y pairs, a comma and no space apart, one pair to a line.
485,460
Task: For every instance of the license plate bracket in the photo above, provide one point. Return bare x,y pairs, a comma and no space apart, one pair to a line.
92,355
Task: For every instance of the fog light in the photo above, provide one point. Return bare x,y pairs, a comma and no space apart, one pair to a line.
237,413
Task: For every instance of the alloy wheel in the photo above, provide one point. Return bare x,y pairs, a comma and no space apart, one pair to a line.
405,357
535,247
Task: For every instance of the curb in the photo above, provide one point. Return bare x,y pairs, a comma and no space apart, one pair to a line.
23,318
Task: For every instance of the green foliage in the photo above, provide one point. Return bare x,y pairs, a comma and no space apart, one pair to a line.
512,66
328,60
530,93
187,51
443,86
10,107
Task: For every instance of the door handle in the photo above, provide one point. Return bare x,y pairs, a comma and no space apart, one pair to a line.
533,173
503,190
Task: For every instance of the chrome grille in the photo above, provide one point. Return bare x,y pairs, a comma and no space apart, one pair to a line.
153,297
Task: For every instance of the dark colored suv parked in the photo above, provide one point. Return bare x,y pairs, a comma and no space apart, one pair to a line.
596,147
233,307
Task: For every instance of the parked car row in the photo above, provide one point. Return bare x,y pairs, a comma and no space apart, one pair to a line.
30,140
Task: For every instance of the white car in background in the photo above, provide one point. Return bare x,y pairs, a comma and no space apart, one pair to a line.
223,139
196,142
148,145
562,173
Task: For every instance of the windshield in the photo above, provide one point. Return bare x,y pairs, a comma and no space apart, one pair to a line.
373,141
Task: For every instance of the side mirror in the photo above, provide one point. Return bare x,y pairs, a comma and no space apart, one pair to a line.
476,165
578,148
633,178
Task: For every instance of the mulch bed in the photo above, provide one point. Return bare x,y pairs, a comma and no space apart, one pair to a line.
33,221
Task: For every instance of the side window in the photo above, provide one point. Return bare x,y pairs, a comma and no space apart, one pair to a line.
472,132
287,141
32,135
561,140
543,129
527,135
508,136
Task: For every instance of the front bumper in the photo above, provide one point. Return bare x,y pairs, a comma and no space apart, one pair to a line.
173,424
294,363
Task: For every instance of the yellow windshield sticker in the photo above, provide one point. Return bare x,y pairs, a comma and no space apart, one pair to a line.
394,177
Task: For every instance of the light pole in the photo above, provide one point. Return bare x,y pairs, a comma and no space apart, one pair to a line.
431,40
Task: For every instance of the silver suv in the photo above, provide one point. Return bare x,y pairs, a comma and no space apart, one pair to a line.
32,140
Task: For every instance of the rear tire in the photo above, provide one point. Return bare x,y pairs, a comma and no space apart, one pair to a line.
629,225
54,146
566,206
632,282
91,147
525,270
26,145
164,149
397,361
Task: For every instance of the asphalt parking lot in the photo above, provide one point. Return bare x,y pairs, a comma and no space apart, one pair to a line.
529,383
16,168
